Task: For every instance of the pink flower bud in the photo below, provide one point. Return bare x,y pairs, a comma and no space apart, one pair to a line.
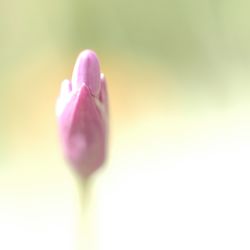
82,112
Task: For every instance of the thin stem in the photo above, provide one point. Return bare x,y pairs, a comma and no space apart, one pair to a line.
85,237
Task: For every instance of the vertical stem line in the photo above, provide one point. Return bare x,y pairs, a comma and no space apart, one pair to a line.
85,236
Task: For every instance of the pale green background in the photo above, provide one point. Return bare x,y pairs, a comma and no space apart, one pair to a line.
178,174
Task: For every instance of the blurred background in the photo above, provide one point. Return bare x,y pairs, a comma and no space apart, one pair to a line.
177,175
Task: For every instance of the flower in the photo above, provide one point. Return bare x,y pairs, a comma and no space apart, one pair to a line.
82,113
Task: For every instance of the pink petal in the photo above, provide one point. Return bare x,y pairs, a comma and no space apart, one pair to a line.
87,71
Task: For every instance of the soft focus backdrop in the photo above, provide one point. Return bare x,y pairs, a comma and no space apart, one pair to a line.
178,173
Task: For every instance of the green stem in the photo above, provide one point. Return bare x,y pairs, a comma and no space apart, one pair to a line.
85,237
